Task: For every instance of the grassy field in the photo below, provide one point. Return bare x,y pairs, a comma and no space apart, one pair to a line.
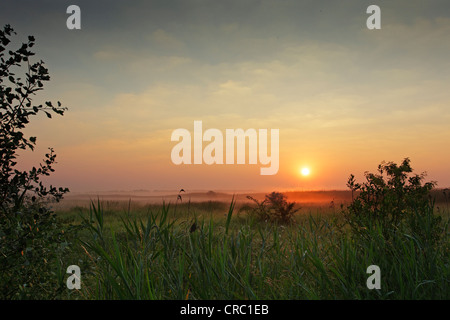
215,250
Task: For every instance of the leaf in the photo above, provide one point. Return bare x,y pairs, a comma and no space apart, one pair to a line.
230,212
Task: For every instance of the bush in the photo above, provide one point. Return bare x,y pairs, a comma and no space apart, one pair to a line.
393,225
274,208
391,199
31,240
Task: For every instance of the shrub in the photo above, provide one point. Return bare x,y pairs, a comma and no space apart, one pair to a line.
393,225
274,207
31,239
392,197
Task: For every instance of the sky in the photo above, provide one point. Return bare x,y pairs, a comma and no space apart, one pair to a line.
344,98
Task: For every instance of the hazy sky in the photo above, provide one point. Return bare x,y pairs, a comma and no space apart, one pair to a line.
344,97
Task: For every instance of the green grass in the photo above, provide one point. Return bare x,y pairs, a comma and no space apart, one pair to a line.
149,252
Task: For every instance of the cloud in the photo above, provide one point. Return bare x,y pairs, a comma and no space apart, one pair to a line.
334,88
167,40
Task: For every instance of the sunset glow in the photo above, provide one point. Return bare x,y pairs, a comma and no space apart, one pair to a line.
305,172
191,150
342,96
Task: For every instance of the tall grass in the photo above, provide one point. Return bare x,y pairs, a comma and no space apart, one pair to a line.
316,258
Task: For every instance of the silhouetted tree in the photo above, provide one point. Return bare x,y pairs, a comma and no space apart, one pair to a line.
30,237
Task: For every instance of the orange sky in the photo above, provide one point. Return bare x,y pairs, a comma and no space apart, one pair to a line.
343,97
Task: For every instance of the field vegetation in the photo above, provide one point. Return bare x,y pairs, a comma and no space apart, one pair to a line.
214,250
265,248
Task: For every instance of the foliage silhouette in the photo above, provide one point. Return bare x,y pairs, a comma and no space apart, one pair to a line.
392,197
274,208
31,239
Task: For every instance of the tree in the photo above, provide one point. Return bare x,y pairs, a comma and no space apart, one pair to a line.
30,237
390,197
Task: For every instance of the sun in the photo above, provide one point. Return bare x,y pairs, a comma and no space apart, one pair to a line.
305,172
